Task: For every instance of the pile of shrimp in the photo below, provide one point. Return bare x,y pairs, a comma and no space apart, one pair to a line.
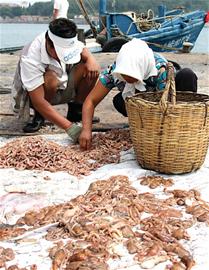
36,153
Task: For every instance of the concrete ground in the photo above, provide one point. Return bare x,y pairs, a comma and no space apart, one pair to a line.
10,125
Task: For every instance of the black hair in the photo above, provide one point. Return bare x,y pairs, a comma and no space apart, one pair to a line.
63,27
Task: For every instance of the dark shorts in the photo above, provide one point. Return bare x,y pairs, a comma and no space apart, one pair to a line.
68,94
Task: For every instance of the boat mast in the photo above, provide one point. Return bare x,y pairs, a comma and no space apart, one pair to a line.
83,10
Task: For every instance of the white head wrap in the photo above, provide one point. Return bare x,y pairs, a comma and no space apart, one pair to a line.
136,60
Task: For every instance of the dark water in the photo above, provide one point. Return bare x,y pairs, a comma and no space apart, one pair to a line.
15,35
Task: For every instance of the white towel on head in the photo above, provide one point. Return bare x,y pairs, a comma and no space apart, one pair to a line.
136,60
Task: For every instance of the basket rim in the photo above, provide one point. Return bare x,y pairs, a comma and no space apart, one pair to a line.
140,98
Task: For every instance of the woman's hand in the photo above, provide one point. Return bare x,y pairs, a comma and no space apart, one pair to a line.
85,139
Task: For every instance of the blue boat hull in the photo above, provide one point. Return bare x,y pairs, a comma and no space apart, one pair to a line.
175,38
175,28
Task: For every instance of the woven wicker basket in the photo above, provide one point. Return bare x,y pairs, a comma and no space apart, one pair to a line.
169,130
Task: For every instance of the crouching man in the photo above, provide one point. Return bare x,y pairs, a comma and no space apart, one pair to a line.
55,68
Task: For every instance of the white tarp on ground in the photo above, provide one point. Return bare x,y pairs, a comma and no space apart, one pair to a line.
61,187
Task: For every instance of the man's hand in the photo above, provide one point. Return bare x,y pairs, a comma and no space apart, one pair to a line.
74,132
92,67
85,140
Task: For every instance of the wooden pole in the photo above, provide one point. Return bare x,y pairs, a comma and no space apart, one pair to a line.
83,10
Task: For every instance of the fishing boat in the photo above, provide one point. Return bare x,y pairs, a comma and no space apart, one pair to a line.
169,30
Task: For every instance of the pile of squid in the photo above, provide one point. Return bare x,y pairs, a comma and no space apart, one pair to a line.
36,153
113,219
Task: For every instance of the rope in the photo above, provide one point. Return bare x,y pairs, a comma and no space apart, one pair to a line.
85,14
92,7
83,10
146,22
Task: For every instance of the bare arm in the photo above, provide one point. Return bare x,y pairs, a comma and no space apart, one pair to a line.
96,95
46,109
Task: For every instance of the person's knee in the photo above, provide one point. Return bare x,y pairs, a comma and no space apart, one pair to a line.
186,80
187,72
51,82
82,83
80,73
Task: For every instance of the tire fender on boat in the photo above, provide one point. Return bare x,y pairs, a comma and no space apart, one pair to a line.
114,44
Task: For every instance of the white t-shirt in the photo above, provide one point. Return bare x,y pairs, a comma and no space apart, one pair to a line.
35,61
62,7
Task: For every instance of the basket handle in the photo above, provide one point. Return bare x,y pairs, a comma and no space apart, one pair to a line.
169,94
